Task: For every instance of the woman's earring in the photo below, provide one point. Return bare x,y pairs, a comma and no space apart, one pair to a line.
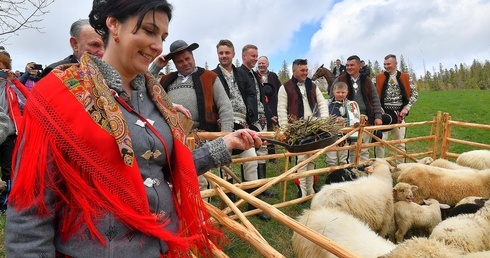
116,38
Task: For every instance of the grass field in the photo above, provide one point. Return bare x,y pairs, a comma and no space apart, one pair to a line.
466,106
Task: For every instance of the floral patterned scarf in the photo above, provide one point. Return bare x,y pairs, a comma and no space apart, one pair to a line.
69,114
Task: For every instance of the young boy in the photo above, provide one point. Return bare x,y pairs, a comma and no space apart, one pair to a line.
346,112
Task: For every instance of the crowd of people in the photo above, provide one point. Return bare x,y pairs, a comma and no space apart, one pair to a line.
93,146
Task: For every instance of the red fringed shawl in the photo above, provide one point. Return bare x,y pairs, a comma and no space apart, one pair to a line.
75,142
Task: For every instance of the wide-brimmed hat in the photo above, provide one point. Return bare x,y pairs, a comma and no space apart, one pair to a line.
179,46
269,90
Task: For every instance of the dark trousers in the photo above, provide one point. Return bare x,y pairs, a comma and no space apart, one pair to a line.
6,152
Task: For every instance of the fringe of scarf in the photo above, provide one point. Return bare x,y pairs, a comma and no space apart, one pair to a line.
59,151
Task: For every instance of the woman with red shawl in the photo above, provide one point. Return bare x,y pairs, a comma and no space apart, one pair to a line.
100,166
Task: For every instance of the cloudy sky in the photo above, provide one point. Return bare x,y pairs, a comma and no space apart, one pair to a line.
426,33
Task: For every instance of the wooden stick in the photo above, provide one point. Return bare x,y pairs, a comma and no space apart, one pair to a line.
306,232
403,153
239,230
230,173
237,211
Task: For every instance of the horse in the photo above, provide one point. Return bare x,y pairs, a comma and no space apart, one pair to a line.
324,72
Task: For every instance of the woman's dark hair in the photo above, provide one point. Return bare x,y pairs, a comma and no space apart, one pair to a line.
123,10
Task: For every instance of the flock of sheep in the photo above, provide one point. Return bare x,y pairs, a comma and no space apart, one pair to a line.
372,215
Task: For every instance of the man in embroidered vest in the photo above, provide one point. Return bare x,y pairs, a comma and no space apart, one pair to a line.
301,98
397,94
250,56
244,101
362,91
198,90
272,80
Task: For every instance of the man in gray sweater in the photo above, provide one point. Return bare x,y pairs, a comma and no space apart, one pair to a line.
198,90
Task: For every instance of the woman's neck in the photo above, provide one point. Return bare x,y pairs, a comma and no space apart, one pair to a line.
125,77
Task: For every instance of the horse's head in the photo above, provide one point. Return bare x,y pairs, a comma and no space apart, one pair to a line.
319,73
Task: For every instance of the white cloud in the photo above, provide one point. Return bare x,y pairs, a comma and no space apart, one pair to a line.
447,32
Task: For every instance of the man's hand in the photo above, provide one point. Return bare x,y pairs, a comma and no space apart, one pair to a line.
161,61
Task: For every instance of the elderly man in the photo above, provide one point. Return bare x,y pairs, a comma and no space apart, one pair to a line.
197,89
271,79
83,38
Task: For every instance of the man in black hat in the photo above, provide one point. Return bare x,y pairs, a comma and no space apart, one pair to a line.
197,89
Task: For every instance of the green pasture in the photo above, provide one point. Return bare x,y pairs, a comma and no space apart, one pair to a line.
465,105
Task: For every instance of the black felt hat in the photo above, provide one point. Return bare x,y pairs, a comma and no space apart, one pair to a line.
269,90
388,118
179,46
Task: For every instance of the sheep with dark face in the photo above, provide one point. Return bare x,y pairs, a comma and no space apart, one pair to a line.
346,174
467,207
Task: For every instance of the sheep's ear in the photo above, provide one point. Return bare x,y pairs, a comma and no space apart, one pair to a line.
370,169
413,187
444,206
480,202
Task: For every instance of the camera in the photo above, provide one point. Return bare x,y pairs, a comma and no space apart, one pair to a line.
3,74
37,67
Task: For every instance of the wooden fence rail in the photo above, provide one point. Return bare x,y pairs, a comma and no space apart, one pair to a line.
437,138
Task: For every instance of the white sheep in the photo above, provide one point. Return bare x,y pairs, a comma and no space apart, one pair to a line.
444,163
477,159
445,185
468,232
402,166
423,247
403,192
341,228
369,199
423,217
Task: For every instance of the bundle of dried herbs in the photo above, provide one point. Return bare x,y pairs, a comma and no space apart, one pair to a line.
302,131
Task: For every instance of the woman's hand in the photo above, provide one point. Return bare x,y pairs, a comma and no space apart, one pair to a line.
242,139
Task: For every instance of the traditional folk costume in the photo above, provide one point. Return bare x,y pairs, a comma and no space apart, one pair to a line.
94,180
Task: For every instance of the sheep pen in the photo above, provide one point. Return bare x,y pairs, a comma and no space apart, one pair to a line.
288,203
